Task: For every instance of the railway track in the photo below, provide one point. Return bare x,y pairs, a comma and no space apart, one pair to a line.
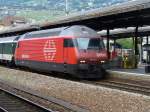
125,85
121,84
10,102
47,103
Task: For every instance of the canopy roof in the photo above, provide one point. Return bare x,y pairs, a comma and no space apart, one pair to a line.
130,14
117,16
126,32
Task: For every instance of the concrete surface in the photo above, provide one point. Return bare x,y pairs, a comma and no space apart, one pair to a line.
128,74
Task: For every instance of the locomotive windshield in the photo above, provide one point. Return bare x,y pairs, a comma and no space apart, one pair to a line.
90,43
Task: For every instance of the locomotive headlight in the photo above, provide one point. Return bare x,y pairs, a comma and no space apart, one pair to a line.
102,61
82,61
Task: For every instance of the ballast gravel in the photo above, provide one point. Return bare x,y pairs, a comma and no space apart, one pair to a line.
88,97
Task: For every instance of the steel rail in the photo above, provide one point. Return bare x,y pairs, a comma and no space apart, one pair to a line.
126,86
33,104
3,110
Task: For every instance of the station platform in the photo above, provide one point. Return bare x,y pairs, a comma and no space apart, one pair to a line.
138,71
135,74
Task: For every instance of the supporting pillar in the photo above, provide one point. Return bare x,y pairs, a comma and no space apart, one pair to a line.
147,40
108,39
136,41
141,50
136,46
114,45
133,45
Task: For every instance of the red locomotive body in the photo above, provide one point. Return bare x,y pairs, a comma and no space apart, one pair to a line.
76,50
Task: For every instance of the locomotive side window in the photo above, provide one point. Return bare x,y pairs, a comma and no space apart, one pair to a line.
41,35
68,43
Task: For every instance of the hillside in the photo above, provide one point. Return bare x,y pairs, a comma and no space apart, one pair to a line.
73,4
45,10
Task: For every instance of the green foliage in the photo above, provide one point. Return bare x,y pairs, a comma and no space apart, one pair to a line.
40,15
126,43
57,7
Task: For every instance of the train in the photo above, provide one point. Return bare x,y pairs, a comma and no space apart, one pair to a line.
7,49
75,50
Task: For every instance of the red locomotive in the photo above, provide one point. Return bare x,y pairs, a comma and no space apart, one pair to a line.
76,50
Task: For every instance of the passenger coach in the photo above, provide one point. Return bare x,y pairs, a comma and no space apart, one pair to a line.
7,49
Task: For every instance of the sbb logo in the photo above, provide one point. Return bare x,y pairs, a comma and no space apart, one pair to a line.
50,50
101,55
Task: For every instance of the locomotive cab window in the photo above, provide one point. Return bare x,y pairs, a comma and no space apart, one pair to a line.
68,43
90,43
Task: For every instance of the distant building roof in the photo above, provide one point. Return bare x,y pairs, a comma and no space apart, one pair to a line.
10,20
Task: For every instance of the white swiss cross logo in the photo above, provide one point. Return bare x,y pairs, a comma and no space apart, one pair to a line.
49,50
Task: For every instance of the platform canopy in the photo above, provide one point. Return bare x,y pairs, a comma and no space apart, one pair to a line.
129,14
18,30
126,32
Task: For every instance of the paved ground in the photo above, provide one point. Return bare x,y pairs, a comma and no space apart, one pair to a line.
132,74
139,71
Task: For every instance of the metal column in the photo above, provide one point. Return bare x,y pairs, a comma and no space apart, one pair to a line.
136,46
114,45
136,41
141,50
66,7
147,40
108,39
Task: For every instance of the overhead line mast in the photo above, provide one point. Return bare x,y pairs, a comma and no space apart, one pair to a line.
66,7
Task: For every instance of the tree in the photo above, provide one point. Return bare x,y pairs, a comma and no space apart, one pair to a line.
126,43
